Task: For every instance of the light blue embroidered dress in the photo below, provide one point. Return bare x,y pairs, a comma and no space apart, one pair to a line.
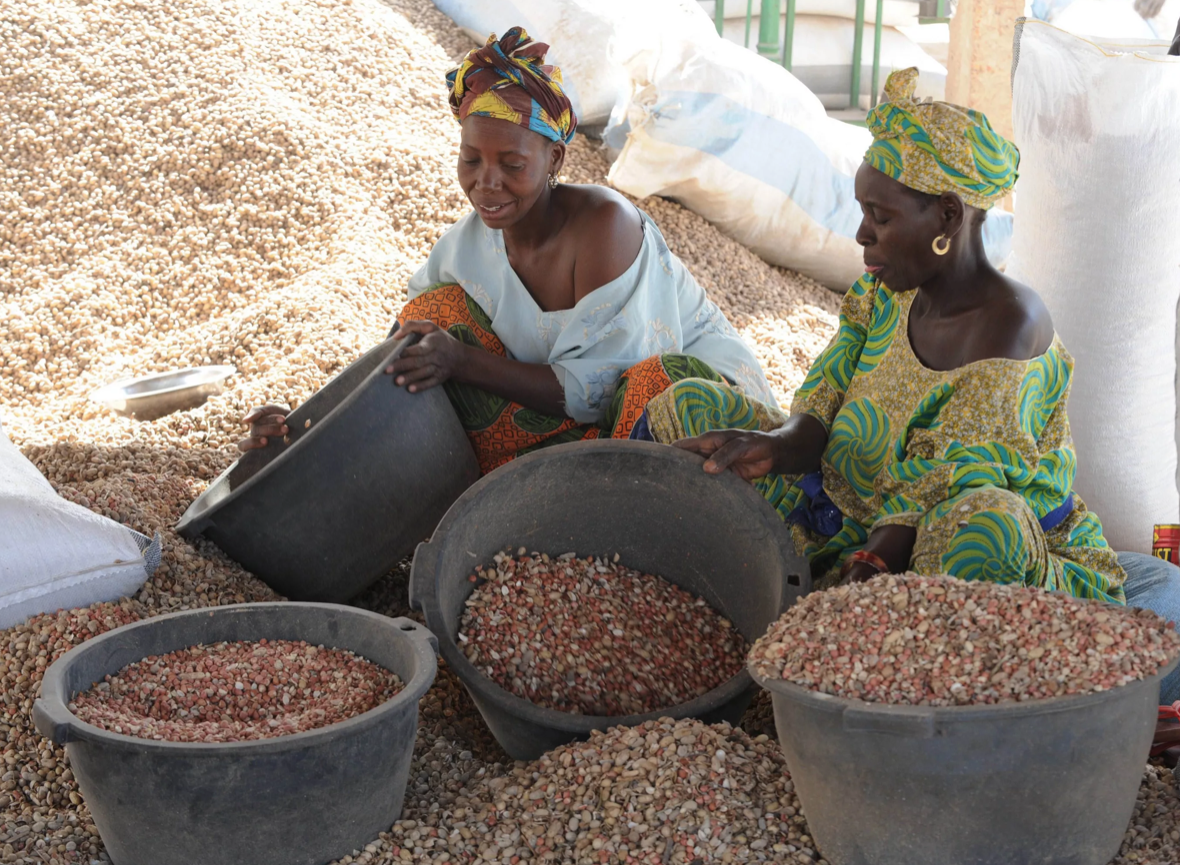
656,307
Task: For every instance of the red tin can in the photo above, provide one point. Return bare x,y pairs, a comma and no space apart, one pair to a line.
1165,542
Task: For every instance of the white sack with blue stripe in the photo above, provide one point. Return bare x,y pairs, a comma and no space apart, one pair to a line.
738,139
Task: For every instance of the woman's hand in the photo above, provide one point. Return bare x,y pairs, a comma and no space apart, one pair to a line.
265,422
859,572
747,454
892,545
433,360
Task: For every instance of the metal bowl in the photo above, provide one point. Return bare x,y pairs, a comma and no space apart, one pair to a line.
153,396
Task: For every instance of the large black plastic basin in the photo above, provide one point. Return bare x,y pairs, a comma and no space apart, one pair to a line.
653,505
322,516
1051,782
303,799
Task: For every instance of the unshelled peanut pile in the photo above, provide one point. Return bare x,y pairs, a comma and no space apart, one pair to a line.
663,792
593,637
906,639
233,181
235,692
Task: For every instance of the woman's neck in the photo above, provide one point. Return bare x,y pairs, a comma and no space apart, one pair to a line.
543,222
963,284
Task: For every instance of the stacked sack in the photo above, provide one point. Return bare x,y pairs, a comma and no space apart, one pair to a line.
1098,236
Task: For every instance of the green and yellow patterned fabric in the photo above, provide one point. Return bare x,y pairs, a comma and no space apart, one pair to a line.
973,458
936,147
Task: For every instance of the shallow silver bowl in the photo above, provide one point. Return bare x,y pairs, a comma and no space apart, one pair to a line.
153,396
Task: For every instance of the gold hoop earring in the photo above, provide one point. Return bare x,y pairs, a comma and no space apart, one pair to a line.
553,181
945,249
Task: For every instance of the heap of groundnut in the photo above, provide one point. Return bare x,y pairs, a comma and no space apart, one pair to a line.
589,636
940,641
235,692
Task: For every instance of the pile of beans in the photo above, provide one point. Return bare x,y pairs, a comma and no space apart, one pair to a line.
1153,837
663,792
592,637
236,692
938,641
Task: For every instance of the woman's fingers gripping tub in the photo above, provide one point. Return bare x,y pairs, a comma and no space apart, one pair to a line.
432,360
265,423
748,454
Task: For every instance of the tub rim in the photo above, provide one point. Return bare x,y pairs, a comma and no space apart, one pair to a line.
862,716
54,720
423,593
200,515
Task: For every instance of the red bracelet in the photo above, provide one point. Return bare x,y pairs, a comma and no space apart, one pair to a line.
869,559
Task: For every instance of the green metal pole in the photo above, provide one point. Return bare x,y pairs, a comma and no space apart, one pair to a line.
768,21
789,35
857,49
719,16
749,17
877,53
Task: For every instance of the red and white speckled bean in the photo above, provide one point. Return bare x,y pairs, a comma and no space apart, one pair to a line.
234,692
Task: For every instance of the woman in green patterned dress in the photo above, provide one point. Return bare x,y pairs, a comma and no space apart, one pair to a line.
931,434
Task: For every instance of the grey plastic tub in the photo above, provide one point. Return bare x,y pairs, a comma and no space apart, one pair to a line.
304,799
654,506
1045,782
368,471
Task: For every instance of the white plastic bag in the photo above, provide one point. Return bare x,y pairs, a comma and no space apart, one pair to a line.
739,140
55,554
1098,236
583,36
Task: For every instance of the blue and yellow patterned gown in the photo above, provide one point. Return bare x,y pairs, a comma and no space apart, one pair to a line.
979,460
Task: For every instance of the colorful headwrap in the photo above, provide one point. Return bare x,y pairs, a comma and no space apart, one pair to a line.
936,147
505,80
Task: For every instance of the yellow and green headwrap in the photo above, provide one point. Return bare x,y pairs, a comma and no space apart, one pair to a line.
936,147
506,80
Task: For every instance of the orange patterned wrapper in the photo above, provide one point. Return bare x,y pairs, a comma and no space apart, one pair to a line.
1165,542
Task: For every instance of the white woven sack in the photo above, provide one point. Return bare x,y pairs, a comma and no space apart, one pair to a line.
742,142
55,554
1098,236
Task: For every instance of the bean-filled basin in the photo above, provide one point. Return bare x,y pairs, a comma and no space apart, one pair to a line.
655,507
302,799
365,474
1049,781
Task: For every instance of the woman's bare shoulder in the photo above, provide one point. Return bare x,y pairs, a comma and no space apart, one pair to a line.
1025,318
608,233
600,207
